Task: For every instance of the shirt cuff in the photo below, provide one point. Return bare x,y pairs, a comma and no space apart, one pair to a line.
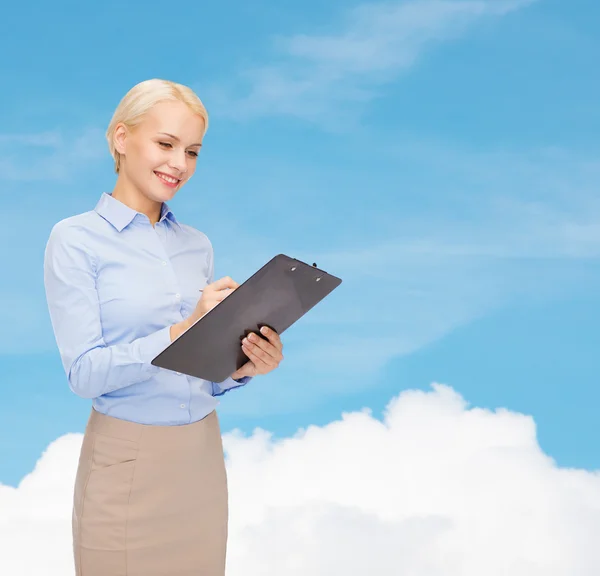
221,387
149,347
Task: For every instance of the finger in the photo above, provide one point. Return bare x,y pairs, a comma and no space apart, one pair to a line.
263,350
222,294
264,346
225,282
273,337
259,364
213,298
249,368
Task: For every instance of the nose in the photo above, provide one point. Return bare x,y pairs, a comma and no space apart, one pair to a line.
178,161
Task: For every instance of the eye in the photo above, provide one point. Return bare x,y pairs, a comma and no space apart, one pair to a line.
165,144
193,154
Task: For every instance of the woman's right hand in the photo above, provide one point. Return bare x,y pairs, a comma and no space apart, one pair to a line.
211,296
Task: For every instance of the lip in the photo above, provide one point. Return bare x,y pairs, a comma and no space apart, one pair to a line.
169,184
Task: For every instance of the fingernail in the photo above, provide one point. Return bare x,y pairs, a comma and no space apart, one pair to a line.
264,330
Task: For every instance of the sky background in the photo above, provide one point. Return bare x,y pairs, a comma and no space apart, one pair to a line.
441,157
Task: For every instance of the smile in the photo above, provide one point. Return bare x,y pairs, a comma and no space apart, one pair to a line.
168,180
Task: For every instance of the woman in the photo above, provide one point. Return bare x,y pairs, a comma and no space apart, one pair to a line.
122,282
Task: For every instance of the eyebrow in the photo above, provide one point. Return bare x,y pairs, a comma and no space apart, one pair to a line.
177,139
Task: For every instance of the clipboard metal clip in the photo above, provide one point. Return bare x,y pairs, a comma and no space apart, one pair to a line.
318,278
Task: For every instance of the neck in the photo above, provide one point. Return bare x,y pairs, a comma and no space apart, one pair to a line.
129,195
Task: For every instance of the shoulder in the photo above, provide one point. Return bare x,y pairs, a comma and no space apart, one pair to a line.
74,228
71,238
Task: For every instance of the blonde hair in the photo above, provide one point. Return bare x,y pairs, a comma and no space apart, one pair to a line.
141,98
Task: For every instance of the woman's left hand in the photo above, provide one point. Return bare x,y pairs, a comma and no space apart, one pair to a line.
264,355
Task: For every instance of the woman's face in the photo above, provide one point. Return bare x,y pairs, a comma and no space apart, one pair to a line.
159,155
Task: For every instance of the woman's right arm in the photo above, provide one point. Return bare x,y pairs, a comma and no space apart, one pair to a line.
92,367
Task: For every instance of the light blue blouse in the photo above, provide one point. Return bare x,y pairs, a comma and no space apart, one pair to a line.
114,286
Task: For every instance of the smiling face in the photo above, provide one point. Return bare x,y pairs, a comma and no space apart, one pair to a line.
158,156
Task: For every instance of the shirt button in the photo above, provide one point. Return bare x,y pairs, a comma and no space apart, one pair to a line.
178,296
163,263
183,406
178,373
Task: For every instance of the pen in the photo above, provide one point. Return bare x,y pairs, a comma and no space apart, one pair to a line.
232,289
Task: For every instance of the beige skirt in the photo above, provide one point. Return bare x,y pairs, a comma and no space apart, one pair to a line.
150,500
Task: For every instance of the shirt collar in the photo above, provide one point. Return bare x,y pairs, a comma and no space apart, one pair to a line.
120,215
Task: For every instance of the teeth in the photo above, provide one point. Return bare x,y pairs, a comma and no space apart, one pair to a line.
167,178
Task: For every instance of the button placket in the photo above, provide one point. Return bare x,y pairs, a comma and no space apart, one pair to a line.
164,261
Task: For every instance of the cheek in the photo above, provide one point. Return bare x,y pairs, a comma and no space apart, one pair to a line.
154,158
140,158
147,157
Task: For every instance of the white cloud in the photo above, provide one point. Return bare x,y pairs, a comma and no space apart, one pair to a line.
435,489
36,515
41,139
316,76
49,156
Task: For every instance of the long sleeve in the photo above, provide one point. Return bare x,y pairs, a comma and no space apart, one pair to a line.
92,367
220,388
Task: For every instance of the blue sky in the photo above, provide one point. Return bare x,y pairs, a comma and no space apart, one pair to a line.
441,157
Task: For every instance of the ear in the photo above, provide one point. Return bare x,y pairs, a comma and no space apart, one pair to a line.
120,138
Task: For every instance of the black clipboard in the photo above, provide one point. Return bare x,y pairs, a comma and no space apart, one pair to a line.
277,296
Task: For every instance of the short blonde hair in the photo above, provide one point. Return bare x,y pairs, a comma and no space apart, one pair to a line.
141,98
